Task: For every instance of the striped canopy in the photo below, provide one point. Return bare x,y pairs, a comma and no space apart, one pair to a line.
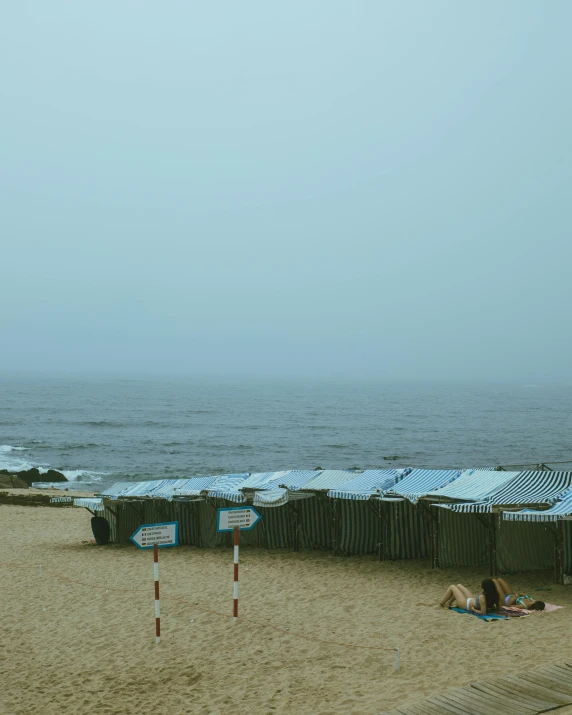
298,478
421,482
92,503
226,486
159,488
473,485
561,510
323,480
367,483
263,480
532,487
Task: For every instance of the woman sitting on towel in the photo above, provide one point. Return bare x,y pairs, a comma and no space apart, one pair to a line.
507,597
486,601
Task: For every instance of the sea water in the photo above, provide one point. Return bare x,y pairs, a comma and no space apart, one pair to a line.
100,430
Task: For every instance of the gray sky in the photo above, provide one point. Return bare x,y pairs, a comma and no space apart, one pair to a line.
378,189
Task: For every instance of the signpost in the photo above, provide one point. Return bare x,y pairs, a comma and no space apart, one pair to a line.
156,536
236,519
165,534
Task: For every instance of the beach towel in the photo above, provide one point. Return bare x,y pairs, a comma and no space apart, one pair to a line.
485,617
512,612
548,608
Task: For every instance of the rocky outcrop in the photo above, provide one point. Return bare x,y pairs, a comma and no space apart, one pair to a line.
9,481
34,475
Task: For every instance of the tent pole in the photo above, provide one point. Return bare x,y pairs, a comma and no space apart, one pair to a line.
558,553
561,552
426,509
556,568
490,550
297,526
435,539
382,531
379,531
495,526
433,550
492,546
335,532
198,525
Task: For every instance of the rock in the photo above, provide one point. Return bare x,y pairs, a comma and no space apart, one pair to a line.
52,475
29,475
34,475
11,481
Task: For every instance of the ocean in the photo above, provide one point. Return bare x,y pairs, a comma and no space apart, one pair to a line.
101,430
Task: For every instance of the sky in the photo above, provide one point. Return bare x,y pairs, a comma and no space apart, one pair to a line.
376,189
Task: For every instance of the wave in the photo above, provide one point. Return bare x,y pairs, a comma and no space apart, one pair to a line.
13,463
85,476
10,460
10,448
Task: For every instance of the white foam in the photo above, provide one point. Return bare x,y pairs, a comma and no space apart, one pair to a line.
12,463
83,475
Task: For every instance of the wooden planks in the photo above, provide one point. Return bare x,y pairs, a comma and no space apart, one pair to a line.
538,690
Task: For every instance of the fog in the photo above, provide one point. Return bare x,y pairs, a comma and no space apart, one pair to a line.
354,189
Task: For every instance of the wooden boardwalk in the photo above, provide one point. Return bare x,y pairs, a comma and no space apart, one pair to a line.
538,690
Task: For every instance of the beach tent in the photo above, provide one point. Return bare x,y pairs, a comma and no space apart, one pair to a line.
470,540
411,525
192,502
360,516
360,512
317,517
472,532
558,521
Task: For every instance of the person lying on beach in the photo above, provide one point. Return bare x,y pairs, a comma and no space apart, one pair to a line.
459,594
508,597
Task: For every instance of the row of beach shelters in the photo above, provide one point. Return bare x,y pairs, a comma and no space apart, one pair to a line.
456,517
476,526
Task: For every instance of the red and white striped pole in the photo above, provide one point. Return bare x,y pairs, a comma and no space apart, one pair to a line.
235,611
157,601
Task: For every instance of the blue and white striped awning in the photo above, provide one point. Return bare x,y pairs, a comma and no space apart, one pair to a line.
326,479
159,488
135,489
92,503
472,507
265,489
533,487
421,482
226,486
370,482
263,480
473,485
118,489
298,478
182,487
270,497
561,510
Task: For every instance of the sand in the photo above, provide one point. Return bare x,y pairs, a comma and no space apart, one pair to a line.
74,642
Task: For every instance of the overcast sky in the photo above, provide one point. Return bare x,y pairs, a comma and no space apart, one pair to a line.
380,189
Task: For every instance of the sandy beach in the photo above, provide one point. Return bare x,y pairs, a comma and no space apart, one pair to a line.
78,637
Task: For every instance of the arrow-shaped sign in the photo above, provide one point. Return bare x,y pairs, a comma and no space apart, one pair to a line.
242,517
165,534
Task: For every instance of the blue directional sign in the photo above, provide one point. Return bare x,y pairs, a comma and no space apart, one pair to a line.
165,534
241,517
